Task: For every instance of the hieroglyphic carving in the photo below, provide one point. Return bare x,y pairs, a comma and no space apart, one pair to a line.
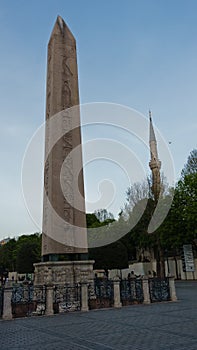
66,88
71,51
47,140
67,144
67,171
46,176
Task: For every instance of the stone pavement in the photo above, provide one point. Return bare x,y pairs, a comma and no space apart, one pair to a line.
161,326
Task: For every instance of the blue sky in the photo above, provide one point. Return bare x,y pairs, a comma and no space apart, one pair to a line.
141,54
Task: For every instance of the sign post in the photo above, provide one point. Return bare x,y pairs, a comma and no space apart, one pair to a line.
188,258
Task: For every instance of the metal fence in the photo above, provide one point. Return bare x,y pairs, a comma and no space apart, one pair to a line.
131,291
67,298
22,300
30,300
39,296
26,299
159,289
103,294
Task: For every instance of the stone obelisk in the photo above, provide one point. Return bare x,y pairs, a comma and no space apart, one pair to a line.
62,221
64,235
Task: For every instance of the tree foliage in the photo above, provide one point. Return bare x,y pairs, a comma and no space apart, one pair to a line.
181,224
191,166
137,192
28,253
179,227
8,253
103,215
110,256
92,220
20,254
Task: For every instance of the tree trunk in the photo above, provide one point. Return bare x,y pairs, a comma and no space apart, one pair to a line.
160,261
176,268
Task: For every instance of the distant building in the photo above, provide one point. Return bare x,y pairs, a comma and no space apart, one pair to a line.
4,241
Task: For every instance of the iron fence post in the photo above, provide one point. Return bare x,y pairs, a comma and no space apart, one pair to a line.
49,300
172,288
84,296
117,302
7,305
146,291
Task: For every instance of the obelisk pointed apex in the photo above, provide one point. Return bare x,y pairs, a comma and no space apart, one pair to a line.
61,23
61,29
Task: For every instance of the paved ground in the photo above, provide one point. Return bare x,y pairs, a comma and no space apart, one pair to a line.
163,326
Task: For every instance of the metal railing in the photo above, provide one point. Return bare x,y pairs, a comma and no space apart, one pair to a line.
39,297
131,291
103,292
159,289
67,298
26,299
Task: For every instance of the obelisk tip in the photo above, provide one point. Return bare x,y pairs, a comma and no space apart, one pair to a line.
61,29
61,23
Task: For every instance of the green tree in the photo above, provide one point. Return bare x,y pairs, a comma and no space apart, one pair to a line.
184,211
8,254
138,237
92,220
180,225
28,252
140,207
103,215
112,256
191,166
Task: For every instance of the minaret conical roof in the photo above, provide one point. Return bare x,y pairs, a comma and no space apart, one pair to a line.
152,133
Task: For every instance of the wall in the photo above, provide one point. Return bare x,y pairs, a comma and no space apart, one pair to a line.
143,269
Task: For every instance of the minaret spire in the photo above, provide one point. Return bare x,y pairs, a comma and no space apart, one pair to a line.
154,164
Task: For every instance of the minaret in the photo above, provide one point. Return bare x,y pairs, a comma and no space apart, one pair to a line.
154,164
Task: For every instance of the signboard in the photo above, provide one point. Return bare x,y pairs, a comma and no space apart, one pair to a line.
188,258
